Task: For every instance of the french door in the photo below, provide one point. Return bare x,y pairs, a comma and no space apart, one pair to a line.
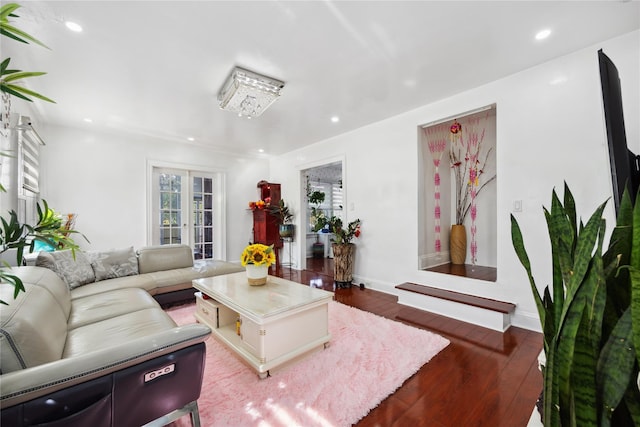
185,208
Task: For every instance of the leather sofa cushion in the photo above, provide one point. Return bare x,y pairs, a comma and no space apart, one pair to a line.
33,327
164,257
111,332
168,280
98,307
142,281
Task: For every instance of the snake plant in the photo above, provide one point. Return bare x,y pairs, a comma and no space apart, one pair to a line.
590,316
9,78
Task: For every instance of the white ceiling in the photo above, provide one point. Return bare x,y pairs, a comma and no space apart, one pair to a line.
154,67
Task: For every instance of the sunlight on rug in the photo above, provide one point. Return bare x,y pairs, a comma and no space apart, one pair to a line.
369,357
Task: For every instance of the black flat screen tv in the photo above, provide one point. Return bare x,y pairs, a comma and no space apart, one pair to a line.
625,165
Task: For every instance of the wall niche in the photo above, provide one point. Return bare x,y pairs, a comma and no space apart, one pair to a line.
457,186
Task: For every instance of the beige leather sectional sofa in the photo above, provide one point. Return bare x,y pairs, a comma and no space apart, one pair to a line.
101,353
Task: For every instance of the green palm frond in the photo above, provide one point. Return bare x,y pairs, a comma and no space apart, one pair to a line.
6,29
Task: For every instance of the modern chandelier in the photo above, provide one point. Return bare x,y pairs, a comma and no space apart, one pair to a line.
247,93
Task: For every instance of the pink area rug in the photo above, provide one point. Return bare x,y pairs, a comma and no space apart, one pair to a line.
369,357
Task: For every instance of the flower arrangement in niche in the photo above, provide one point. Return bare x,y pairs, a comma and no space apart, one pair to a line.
258,254
468,162
468,167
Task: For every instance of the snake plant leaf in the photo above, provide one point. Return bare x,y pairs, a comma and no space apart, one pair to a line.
587,343
635,307
549,327
562,225
584,247
521,252
570,208
551,402
632,400
597,299
556,270
584,411
625,210
565,351
635,247
615,367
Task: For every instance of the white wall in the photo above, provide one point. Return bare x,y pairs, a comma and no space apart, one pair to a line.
546,134
103,178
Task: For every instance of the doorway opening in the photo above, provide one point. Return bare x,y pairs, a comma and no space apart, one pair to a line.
323,194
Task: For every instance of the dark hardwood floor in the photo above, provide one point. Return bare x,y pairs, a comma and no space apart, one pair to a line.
479,272
483,378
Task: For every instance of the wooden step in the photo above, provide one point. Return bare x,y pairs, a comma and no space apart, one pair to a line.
481,311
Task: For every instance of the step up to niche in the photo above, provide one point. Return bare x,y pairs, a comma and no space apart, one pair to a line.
480,311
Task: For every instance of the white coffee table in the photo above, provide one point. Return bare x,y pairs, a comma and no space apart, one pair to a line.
265,325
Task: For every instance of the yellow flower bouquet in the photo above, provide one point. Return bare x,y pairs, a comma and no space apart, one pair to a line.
258,254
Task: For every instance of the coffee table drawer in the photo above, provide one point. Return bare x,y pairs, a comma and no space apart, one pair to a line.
214,314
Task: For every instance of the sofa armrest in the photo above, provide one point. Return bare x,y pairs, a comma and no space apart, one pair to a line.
27,384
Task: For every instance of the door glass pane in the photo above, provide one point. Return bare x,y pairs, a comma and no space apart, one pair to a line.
169,197
202,200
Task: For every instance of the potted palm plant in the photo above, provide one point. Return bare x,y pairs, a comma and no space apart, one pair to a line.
10,79
17,238
281,211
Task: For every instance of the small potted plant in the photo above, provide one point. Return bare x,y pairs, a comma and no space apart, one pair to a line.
281,211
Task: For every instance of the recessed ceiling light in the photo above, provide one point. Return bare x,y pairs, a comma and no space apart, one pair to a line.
76,28
335,119
88,120
558,80
543,34
261,150
191,139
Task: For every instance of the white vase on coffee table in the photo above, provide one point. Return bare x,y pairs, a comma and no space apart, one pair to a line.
257,274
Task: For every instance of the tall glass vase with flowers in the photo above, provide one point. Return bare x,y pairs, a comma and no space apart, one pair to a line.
257,258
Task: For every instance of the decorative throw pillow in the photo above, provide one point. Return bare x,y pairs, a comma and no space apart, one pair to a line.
45,259
114,263
75,272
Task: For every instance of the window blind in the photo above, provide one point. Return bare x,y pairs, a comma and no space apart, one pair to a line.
29,154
